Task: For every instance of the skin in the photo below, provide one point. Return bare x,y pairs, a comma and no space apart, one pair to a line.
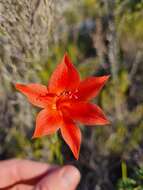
30,175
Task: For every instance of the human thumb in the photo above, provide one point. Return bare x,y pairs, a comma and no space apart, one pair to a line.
63,178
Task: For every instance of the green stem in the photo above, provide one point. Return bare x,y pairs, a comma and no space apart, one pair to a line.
124,170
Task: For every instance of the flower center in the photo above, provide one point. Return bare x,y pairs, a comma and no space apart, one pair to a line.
69,94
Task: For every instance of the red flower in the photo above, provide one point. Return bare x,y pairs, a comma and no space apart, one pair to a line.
65,101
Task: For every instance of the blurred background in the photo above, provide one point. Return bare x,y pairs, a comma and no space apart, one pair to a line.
101,37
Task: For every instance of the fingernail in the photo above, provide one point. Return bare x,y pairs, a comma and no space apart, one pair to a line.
70,176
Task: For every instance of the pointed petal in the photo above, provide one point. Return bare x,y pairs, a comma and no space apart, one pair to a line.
90,87
86,113
47,122
72,136
37,94
65,77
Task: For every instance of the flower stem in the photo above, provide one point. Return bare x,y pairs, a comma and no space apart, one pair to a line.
124,170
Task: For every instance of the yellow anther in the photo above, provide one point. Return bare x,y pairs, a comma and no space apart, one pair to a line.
54,107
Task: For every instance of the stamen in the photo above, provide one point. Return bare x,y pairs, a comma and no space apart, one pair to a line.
69,94
76,97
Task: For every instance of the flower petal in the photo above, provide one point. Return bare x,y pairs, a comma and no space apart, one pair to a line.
72,136
86,113
65,77
36,93
90,87
47,122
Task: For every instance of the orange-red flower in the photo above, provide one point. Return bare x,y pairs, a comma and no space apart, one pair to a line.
64,102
